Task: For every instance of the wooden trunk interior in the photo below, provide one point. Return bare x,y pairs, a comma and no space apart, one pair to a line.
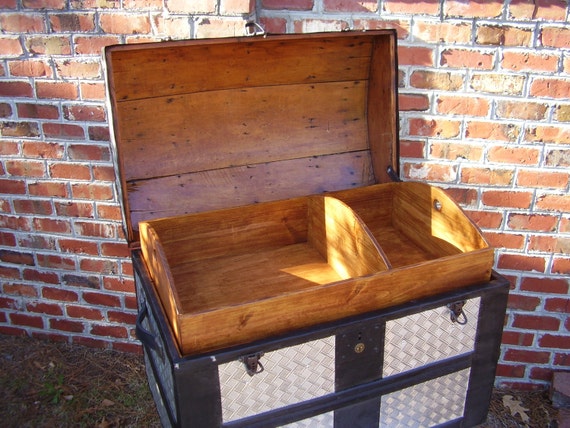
254,175
290,252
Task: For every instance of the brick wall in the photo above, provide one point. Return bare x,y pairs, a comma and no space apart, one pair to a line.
485,113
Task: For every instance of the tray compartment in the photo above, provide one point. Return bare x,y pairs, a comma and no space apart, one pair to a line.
224,264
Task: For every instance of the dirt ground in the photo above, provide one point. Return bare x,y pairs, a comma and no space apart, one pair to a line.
48,384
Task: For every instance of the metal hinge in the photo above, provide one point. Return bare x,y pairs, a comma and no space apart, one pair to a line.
456,313
252,364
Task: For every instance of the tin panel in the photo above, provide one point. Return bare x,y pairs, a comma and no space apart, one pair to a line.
426,404
290,375
428,336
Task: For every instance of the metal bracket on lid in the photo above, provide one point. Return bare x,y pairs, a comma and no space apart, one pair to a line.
456,313
252,364
393,174
252,28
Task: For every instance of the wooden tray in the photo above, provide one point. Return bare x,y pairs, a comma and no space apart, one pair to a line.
231,276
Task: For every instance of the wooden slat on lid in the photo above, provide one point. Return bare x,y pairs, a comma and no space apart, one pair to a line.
190,118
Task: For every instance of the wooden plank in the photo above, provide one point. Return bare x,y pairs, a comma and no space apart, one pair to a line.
244,185
433,221
169,69
213,130
286,312
343,239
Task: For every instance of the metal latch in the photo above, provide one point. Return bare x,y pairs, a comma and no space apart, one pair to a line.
252,364
456,313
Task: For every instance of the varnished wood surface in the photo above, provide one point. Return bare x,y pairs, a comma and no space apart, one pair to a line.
266,268
190,118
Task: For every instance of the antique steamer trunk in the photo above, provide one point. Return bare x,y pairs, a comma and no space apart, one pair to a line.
285,276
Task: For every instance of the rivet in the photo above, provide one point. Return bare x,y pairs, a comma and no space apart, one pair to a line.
359,348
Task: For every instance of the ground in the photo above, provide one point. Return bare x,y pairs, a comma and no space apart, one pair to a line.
47,384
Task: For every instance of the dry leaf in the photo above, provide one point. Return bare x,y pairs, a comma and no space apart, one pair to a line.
107,403
515,407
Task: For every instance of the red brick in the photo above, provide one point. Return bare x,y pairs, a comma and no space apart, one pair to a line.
102,266
78,69
534,222
74,209
91,45
44,308
554,341
500,198
492,131
109,331
66,325
521,262
527,356
494,83
521,110
32,206
288,4
523,303
413,7
104,173
545,285
565,225
14,187
115,23
122,317
350,6
26,320
562,359
527,61
543,179
20,290
9,148
505,240
84,312
555,37
99,133
503,35
63,131
16,89
46,188
88,152
81,281
462,105
550,88
43,242
92,91
473,8
25,168
44,4
49,45
131,302
555,304
24,22
96,229
415,55
549,244
517,338
445,81
57,90
78,246
274,25
541,9
30,68
59,294
440,128
39,276
464,58
553,202
10,46
50,225
72,22
535,322
101,299
90,342
20,129
430,172
438,32
7,239
5,108
455,150
110,212
8,303
540,373
54,261
413,102
548,134
43,150
37,111
486,219
561,266
132,348
121,285
494,176
412,149
71,171
508,370
402,26
91,191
